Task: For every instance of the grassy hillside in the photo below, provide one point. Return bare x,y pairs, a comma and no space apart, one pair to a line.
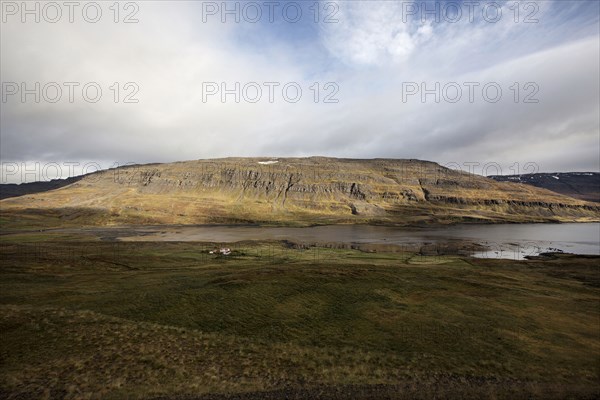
292,191
81,318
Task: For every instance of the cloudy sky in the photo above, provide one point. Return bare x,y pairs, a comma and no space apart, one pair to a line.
495,84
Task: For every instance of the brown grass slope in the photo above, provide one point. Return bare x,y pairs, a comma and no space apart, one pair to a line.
295,191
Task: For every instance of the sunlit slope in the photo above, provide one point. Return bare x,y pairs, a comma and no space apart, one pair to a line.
294,191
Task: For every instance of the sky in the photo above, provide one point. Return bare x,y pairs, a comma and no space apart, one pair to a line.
491,87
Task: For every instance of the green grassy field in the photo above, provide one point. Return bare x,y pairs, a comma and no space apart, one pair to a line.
83,318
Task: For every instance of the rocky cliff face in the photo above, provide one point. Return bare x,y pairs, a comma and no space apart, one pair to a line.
299,191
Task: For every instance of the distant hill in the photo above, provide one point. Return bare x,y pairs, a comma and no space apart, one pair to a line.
13,190
291,191
581,185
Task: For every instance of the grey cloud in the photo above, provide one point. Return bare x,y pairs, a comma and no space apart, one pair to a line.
171,123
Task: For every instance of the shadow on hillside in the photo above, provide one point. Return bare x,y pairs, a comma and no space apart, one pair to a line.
14,190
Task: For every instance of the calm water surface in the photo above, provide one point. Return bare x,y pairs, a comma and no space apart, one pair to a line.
513,241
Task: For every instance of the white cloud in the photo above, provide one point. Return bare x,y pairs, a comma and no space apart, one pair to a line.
374,33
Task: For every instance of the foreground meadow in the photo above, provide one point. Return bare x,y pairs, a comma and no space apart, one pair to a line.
84,318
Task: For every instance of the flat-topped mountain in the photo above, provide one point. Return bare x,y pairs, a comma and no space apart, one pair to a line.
581,185
293,191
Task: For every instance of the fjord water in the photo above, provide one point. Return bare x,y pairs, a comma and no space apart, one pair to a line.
511,241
